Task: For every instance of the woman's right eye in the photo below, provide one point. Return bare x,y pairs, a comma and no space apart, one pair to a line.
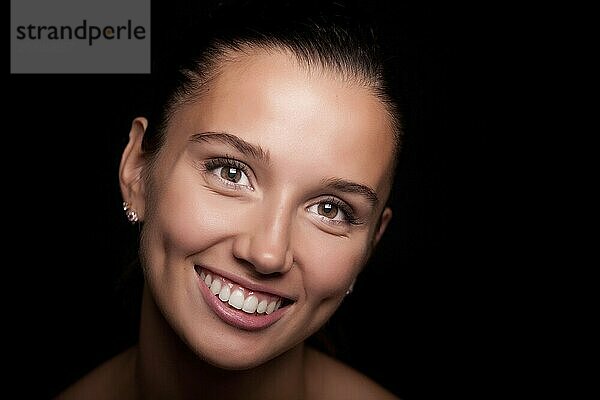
230,172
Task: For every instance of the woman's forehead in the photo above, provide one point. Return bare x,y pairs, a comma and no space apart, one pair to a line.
311,118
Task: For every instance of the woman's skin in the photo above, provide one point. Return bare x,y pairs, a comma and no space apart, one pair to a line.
254,183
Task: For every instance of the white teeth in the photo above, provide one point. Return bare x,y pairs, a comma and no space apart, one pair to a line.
236,299
215,288
271,307
250,304
262,307
225,293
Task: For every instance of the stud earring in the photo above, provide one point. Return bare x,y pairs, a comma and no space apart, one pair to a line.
350,289
130,213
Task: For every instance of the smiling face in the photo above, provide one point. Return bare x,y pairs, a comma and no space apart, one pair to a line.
262,206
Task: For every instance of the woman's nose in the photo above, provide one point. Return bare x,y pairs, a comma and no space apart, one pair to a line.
265,242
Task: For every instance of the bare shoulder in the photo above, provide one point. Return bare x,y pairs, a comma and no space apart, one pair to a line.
111,380
331,379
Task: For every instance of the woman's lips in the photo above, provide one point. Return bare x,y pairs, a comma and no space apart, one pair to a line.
238,306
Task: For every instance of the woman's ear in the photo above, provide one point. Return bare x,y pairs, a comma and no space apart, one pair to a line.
131,168
382,224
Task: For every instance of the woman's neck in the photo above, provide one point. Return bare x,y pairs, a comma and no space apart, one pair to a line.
167,368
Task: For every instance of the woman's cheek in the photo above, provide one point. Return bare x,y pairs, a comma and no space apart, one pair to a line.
192,218
331,265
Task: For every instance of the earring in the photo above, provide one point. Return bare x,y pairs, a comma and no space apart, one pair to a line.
130,213
350,289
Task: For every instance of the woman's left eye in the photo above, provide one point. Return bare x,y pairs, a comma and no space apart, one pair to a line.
329,210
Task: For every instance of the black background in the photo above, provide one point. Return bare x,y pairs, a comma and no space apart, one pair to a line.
412,322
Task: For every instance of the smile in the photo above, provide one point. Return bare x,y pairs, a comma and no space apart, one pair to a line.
239,306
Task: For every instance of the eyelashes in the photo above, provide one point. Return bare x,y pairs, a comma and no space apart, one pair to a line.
230,172
334,211
236,175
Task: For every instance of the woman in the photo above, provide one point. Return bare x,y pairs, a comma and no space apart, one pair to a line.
261,193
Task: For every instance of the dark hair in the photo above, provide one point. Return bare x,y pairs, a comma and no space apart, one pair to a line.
328,36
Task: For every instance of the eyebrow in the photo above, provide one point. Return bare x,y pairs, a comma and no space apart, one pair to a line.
352,187
242,146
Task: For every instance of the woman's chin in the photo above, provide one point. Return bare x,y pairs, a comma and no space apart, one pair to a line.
233,359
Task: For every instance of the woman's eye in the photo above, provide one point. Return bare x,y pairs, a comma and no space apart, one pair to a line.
230,172
328,210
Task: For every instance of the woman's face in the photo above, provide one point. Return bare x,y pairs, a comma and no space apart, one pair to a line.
266,196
